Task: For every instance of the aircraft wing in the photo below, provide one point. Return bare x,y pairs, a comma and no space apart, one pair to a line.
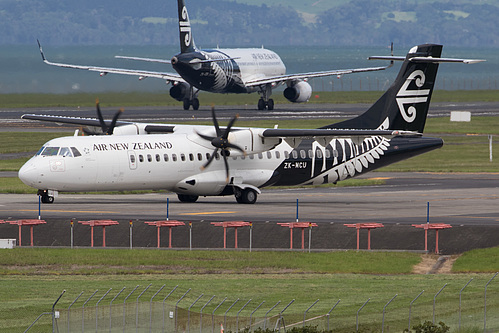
333,133
151,128
304,76
170,77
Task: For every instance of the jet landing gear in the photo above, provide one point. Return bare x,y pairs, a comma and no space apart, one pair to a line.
269,104
194,102
45,197
265,102
187,198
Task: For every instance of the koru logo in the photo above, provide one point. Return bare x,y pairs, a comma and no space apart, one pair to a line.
185,26
406,96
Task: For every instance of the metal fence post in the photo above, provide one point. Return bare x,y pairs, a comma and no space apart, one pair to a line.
213,315
189,313
137,308
434,300
383,320
124,307
164,300
410,308
53,311
305,313
110,309
225,314
176,310
69,309
266,313
460,292
251,315
150,307
357,320
280,316
201,314
485,304
329,313
83,311
97,310
237,316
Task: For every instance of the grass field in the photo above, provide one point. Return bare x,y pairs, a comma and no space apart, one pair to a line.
32,279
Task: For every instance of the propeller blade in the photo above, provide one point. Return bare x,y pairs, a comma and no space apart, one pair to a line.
226,167
210,159
110,130
206,137
101,118
215,121
227,130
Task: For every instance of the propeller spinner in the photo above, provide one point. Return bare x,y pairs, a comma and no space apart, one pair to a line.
221,141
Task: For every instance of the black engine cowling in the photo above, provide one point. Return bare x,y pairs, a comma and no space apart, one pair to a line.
180,91
299,92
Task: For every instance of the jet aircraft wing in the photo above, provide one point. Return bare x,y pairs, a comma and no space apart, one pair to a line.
305,76
170,77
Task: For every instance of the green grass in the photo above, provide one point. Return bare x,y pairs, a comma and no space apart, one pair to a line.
260,276
118,99
478,260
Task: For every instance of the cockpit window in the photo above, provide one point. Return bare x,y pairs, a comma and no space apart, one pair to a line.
65,152
75,151
50,151
39,151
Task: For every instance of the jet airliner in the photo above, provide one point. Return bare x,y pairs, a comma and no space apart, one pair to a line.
195,161
240,70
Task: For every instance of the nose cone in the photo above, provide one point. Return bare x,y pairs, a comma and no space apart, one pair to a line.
29,174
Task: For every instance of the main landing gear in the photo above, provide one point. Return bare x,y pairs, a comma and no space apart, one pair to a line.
187,198
188,102
269,104
246,196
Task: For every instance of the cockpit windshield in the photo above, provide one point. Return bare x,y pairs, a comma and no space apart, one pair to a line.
54,151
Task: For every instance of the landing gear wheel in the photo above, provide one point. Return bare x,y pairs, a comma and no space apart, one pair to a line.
195,104
47,199
248,196
187,198
187,104
270,104
261,104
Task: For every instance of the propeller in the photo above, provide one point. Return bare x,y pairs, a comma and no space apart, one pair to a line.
106,130
221,142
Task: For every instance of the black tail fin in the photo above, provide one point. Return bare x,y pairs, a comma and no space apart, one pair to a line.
404,106
184,27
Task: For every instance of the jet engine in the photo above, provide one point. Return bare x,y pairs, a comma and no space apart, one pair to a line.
180,91
298,92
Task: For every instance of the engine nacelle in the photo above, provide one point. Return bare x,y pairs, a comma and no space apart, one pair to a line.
180,91
299,92
252,141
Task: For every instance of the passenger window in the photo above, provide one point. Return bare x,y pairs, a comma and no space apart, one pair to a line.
269,155
174,157
191,157
260,155
75,151
328,153
208,156
65,152
141,158
319,153
335,153
286,154
165,157
200,157
295,154
182,157
303,154
149,158
50,151
132,158
277,154
251,157
158,158
217,156
310,153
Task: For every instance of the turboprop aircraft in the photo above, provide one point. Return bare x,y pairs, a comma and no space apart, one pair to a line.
242,70
195,161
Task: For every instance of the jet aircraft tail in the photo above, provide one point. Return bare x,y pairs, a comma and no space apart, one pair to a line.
184,26
404,106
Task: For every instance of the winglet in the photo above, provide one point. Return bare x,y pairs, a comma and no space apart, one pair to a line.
41,50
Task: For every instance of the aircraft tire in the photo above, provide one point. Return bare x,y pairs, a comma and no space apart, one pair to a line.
195,104
187,104
261,104
248,196
47,199
270,104
187,198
